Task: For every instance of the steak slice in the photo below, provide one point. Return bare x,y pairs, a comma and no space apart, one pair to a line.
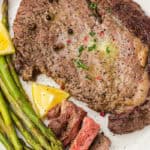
65,120
101,143
86,135
131,121
98,53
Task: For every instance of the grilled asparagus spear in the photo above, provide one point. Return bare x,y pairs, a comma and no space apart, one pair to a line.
8,123
5,142
19,97
28,137
16,108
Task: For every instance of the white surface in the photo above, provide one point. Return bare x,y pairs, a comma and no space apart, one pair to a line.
134,141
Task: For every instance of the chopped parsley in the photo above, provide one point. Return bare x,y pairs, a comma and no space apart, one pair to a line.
107,50
95,40
92,33
81,49
79,64
88,77
91,48
93,5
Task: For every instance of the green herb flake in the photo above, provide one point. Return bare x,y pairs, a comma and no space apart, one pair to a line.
108,50
80,64
92,33
81,49
93,5
88,77
91,48
95,40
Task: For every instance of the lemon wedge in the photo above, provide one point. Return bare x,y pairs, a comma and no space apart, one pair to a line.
46,97
6,45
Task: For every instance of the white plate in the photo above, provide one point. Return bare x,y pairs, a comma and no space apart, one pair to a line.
135,141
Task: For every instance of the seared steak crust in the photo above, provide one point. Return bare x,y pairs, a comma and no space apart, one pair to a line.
112,77
131,121
131,15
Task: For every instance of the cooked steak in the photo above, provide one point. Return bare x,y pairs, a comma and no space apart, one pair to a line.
131,121
86,135
96,50
101,143
65,120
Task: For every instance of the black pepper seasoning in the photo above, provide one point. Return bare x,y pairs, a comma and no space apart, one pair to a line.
48,17
32,26
70,31
58,46
51,1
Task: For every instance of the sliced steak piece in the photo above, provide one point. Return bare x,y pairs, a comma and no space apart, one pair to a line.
131,121
101,143
65,120
86,135
98,53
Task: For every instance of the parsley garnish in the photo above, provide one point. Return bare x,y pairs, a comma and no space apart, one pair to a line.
91,48
88,77
92,33
80,64
107,49
81,49
93,5
95,40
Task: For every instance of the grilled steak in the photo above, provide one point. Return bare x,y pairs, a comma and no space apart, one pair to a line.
86,135
96,50
65,120
101,143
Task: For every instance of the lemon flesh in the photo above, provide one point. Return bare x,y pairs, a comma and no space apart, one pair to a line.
6,45
45,97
